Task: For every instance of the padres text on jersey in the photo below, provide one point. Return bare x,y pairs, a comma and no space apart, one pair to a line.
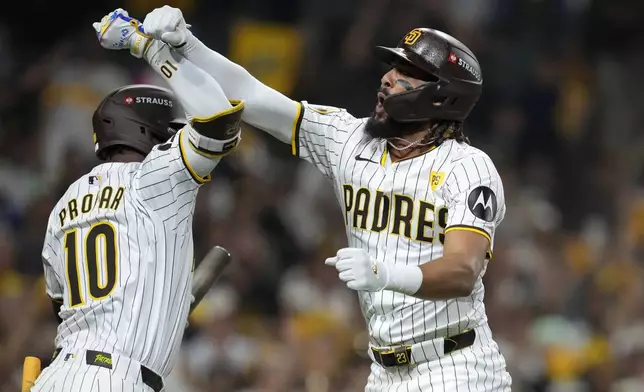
400,212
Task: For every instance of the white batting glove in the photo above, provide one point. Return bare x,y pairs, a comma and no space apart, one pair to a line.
117,30
359,270
168,25
362,272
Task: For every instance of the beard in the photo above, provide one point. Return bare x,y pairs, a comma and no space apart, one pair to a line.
384,127
381,126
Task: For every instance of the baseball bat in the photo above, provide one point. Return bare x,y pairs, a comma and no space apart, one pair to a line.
30,372
208,272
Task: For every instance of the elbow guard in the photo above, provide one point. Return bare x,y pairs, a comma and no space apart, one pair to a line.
217,135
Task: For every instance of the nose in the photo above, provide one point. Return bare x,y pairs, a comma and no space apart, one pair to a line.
388,79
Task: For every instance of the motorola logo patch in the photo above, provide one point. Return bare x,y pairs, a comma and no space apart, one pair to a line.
482,203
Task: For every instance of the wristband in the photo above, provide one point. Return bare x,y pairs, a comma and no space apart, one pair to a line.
405,279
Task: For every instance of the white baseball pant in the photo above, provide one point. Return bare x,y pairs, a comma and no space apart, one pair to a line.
69,372
478,368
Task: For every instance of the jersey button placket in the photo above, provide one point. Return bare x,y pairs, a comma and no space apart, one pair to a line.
387,186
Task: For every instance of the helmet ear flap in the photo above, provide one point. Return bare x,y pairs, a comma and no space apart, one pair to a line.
431,101
417,105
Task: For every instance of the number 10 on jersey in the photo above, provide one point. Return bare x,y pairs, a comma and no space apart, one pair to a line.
88,268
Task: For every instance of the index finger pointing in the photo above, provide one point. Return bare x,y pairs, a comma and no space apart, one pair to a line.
331,261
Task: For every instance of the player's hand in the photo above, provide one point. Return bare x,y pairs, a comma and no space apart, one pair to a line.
117,30
359,270
167,24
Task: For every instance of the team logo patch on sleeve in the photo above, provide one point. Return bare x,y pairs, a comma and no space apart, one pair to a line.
482,203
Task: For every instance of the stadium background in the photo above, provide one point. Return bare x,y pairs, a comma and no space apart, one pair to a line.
560,114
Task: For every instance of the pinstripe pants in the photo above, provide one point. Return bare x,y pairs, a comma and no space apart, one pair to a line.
478,368
72,374
87,379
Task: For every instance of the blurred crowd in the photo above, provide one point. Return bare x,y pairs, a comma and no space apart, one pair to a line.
560,115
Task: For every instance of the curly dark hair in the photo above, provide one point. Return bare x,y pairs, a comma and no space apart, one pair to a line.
443,130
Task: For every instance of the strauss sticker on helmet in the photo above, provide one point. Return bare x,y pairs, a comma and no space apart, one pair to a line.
465,65
154,101
129,100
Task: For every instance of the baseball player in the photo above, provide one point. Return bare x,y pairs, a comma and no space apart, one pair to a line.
118,252
421,205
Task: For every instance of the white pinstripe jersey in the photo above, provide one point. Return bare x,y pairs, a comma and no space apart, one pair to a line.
399,212
118,253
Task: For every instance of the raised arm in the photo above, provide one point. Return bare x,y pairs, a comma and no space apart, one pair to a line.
269,110
214,120
317,134
171,173
266,108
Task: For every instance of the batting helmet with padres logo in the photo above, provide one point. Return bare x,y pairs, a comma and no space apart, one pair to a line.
138,117
451,70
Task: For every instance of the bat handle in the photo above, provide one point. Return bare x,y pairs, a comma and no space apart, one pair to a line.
30,372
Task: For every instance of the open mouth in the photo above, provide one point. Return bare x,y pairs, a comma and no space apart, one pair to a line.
381,99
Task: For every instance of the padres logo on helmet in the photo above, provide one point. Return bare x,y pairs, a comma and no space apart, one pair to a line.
412,37
449,68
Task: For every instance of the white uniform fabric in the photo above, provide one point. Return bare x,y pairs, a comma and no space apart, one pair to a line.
399,212
118,251
139,303
70,372
477,368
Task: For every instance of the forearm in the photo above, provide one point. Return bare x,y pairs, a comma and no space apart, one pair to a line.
208,137
444,279
234,79
437,280
266,108
200,94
